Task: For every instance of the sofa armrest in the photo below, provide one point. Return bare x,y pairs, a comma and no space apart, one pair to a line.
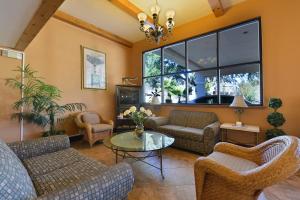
211,136
36,147
154,122
115,183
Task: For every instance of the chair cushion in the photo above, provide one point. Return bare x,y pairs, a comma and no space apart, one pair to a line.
182,132
200,119
232,162
69,174
15,182
47,163
97,128
91,118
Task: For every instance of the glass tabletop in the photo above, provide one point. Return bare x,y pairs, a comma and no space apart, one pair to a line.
150,141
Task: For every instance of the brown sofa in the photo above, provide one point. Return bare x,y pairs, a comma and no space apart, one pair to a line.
194,131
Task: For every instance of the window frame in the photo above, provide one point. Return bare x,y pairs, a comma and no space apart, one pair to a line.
217,68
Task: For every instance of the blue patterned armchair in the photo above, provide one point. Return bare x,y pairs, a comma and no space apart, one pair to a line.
47,168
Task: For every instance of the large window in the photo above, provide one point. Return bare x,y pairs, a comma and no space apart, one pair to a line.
207,69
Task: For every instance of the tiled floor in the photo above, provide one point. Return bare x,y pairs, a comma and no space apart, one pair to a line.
179,177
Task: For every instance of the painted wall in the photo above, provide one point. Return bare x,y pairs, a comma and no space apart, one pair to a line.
281,65
9,130
55,54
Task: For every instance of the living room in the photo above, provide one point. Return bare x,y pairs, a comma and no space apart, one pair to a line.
247,50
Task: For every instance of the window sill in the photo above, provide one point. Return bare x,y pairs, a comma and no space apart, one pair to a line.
200,105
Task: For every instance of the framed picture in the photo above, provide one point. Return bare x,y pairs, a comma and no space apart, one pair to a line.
93,69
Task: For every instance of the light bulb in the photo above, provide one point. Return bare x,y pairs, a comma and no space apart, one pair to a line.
170,14
142,16
155,9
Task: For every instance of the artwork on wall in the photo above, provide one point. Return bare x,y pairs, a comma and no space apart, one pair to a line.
93,69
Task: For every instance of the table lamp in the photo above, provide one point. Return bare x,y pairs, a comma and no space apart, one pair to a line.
238,104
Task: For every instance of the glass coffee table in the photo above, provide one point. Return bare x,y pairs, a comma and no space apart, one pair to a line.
152,143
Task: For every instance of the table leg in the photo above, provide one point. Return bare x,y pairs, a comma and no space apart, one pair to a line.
257,138
161,164
116,155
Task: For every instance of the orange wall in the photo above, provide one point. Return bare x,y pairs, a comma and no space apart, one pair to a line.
281,64
55,54
9,130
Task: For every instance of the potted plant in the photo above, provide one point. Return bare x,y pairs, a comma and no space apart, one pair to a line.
155,97
276,119
138,117
39,101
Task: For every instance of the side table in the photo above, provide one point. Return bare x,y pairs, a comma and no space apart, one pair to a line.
245,128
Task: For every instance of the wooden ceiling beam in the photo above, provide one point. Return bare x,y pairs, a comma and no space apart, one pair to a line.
216,7
39,19
90,28
129,8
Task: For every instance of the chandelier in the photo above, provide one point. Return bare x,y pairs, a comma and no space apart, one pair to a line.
155,32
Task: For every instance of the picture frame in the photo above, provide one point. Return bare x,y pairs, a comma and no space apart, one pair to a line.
93,69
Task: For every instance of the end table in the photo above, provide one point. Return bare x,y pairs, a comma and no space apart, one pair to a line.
245,128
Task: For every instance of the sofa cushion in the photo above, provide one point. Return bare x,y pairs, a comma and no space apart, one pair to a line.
232,162
178,117
47,163
182,132
15,182
97,128
91,118
70,174
200,119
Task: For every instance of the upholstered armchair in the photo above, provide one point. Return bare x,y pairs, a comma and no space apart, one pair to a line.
238,173
95,127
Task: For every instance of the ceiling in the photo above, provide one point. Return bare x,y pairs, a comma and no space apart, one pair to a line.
14,17
186,10
104,15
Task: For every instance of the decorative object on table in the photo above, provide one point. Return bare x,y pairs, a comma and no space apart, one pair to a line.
93,69
155,32
95,127
155,97
239,104
128,80
138,117
276,119
39,101
247,171
126,96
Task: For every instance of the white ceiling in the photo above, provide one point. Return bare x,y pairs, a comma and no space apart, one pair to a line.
104,15
186,10
14,17
16,14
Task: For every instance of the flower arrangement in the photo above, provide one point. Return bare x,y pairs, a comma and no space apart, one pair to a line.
138,117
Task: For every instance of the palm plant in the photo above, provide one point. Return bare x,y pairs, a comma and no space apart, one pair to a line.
39,101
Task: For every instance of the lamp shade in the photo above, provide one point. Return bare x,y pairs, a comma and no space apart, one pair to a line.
238,102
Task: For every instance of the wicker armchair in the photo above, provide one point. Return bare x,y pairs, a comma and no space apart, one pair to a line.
239,173
96,128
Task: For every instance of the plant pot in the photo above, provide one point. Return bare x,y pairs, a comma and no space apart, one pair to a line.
168,100
155,100
139,130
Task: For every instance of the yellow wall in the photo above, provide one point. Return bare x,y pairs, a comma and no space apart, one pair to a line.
55,54
281,64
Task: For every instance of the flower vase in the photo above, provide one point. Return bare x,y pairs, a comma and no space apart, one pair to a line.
139,130
155,100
